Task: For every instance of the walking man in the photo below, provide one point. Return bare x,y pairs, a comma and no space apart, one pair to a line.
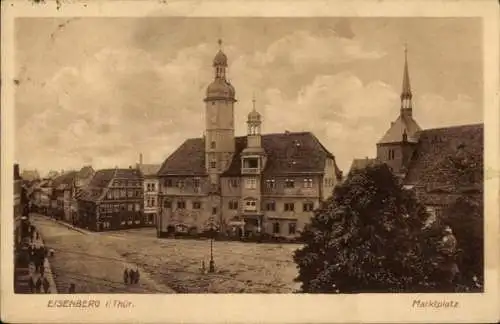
38,285
46,284
125,276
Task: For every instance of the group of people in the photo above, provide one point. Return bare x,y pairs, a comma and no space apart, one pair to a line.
37,253
131,276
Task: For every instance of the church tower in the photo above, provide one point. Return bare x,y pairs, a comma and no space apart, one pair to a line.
219,117
397,145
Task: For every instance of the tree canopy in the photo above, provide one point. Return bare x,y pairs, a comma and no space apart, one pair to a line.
366,238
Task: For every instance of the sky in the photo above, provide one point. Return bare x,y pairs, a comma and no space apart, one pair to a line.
100,91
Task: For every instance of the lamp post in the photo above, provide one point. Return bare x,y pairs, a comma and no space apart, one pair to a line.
211,267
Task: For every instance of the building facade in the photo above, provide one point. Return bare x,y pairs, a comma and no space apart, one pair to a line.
112,200
151,190
440,164
63,187
247,185
82,180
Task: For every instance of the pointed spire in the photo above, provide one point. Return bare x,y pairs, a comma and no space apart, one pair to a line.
406,94
406,91
253,101
220,43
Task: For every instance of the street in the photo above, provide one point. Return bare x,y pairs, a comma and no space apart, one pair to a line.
95,262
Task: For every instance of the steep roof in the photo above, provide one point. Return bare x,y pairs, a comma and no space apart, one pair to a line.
149,169
287,153
30,175
448,160
358,164
64,181
85,172
101,180
395,133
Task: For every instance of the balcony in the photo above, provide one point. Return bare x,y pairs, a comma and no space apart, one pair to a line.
250,170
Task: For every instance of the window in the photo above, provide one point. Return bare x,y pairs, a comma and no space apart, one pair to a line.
181,204
129,193
391,154
251,163
180,184
251,183
196,182
212,145
308,206
214,210
168,183
270,184
109,195
276,228
308,183
233,183
130,207
289,206
213,164
270,206
167,204
196,205
289,183
250,205
233,204
123,193
292,228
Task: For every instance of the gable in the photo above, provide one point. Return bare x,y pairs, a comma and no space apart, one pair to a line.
395,133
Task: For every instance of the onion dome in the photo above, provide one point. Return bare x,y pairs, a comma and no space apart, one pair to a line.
253,116
220,88
220,59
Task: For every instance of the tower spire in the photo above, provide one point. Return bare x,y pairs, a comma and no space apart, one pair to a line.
253,101
406,94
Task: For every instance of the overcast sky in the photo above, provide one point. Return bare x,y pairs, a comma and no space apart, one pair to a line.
101,90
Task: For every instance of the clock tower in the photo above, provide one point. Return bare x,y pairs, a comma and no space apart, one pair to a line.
219,117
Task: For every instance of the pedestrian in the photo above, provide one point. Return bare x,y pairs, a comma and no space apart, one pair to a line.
42,268
137,275
38,285
31,285
46,284
125,276
131,276
72,288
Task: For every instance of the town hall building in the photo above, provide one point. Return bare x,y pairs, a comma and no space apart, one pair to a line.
440,164
243,185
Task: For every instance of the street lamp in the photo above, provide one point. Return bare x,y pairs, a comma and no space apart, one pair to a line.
211,267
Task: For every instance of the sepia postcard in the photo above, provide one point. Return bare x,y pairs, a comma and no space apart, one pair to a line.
250,161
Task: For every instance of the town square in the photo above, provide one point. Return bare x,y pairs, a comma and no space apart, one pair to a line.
313,159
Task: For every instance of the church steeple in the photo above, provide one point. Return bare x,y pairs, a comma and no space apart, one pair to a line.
406,94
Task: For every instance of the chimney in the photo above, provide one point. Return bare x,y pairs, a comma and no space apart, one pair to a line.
140,159
16,171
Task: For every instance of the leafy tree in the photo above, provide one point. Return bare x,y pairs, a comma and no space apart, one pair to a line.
367,237
465,217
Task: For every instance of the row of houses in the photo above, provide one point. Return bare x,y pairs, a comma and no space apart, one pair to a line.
107,199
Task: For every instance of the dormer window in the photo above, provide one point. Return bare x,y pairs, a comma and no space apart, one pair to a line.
251,163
